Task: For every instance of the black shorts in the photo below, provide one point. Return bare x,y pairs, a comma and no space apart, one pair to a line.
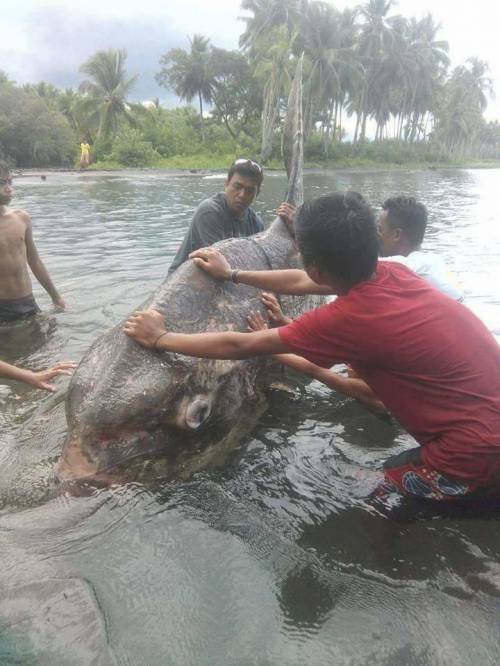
13,309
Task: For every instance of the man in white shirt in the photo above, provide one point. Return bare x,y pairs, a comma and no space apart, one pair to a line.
402,227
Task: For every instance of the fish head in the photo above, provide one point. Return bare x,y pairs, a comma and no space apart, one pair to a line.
126,402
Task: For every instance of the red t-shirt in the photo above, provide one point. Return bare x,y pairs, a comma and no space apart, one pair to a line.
430,360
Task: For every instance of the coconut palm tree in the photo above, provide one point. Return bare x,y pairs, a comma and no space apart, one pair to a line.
189,74
106,89
331,57
273,70
459,117
268,15
268,41
427,63
481,83
375,40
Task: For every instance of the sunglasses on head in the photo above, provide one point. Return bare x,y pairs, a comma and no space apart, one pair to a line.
256,165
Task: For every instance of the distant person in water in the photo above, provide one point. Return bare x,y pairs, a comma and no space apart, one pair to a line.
84,155
401,227
40,379
228,214
17,252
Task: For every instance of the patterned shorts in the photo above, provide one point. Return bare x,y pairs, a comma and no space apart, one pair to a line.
407,474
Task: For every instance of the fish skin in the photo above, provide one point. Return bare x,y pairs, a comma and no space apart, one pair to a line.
126,402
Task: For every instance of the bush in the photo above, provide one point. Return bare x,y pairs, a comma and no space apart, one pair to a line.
101,149
130,149
313,147
172,131
31,134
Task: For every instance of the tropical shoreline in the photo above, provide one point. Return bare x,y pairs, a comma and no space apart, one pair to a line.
311,167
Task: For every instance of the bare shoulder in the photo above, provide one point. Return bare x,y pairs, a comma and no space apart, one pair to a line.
15,216
20,215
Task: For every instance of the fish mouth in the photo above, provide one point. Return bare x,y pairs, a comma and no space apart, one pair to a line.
74,465
90,451
101,459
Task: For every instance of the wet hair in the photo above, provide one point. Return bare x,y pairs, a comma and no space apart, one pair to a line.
248,168
337,234
407,214
4,169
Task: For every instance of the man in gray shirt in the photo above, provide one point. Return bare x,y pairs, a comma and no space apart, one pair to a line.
227,214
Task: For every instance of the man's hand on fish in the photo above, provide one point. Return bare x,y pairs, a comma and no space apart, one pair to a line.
287,213
213,262
145,327
256,322
274,311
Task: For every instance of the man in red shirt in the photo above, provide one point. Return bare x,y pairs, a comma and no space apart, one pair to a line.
434,364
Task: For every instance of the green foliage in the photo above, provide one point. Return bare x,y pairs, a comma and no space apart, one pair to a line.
189,74
101,149
31,133
383,70
388,152
106,90
131,150
460,127
237,97
171,132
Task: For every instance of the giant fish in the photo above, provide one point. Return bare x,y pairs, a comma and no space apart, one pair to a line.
127,405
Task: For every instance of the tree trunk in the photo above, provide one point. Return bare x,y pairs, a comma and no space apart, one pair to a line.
426,125
335,119
326,135
269,118
363,127
203,139
356,129
230,129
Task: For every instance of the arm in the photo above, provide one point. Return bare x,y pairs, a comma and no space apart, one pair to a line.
274,311
290,281
148,328
354,387
37,379
38,267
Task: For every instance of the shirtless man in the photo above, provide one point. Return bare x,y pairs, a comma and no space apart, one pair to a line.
17,252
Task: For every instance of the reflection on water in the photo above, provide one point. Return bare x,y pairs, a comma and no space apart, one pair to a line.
277,558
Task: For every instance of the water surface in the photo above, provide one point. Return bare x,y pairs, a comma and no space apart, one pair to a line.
275,559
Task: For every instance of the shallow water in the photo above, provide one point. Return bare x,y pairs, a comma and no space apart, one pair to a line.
276,558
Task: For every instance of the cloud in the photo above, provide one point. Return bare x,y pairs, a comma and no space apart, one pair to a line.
50,43
60,40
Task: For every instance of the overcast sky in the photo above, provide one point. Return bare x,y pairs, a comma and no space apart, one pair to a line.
48,40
